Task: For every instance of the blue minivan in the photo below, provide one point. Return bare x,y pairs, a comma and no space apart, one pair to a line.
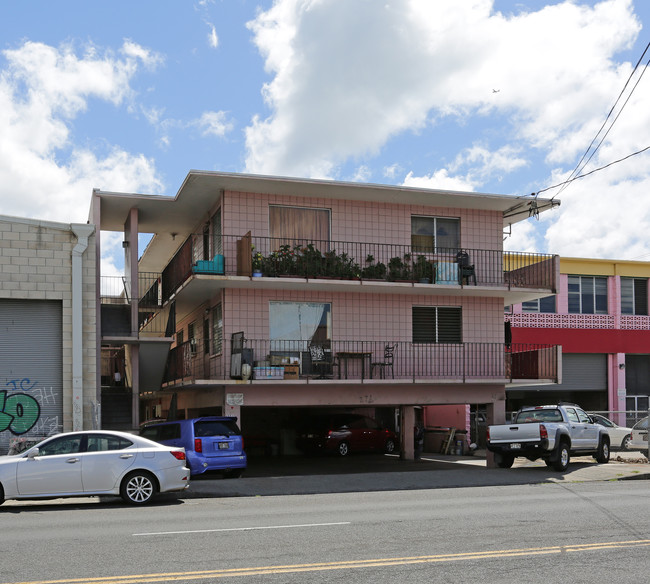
211,443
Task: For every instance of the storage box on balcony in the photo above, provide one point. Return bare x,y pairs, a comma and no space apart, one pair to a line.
268,373
291,371
214,266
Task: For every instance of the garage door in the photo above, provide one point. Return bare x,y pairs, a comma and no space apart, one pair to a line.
581,372
31,375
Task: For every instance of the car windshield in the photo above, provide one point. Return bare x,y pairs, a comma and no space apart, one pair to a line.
642,425
206,428
532,416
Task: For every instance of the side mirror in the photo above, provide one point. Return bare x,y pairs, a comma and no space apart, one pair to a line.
33,453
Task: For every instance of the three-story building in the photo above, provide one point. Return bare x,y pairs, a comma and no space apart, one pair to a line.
266,298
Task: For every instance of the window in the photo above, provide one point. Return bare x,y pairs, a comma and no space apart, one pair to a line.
191,335
294,325
431,234
217,330
587,295
217,243
546,304
102,443
63,445
437,324
634,296
294,225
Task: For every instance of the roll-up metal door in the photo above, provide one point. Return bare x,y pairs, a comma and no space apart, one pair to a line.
581,372
31,371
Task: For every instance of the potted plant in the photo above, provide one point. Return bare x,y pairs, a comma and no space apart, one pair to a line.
423,270
400,268
373,271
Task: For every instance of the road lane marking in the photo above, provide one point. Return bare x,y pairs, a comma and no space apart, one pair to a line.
241,528
344,565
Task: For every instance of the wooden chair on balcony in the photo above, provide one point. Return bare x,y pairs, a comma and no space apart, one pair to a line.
387,363
466,271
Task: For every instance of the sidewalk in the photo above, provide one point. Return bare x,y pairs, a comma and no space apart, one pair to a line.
312,475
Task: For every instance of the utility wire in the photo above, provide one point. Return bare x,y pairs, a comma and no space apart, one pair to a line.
580,167
592,171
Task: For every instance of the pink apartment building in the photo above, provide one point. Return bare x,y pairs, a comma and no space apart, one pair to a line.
269,298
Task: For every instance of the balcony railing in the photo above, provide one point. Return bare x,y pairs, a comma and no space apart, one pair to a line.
314,259
365,360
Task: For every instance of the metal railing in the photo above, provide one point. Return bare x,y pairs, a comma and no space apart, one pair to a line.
317,259
118,290
366,360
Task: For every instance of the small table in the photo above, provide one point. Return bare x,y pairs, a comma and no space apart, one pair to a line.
345,356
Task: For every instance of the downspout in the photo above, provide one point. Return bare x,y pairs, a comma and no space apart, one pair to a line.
82,232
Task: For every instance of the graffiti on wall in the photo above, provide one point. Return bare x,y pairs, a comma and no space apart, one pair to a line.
26,410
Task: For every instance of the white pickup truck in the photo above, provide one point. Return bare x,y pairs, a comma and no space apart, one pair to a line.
552,433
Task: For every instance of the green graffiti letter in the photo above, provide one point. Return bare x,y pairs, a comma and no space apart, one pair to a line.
23,410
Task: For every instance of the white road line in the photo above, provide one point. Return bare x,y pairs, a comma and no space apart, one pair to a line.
241,529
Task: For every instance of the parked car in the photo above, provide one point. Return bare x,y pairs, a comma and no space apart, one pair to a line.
640,436
345,433
211,443
94,463
553,433
619,436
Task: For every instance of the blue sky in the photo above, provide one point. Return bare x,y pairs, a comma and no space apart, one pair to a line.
492,96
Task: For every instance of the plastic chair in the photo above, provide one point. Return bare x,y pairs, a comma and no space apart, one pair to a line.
389,357
466,270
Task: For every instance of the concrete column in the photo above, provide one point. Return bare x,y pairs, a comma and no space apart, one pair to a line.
495,414
407,426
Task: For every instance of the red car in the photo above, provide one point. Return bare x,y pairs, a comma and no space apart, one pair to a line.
345,433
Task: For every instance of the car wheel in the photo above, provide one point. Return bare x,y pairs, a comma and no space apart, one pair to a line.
563,458
645,453
2,495
390,446
343,449
504,460
627,442
138,488
602,454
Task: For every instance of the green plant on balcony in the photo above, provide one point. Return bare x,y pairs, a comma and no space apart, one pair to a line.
423,270
372,270
340,266
399,268
309,261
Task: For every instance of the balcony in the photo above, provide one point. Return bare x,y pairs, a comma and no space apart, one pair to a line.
357,362
405,268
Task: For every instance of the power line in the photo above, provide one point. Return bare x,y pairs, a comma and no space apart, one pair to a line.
592,171
580,166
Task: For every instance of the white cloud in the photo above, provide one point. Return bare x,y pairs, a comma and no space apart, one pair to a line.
42,173
349,76
213,39
215,124
439,180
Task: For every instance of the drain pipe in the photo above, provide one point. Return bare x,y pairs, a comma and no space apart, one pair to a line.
82,232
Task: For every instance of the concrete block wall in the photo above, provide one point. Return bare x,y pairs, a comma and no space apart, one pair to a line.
36,264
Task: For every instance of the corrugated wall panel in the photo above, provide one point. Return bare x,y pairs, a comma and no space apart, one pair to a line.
581,372
31,370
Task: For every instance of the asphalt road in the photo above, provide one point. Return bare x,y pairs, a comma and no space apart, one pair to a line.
577,532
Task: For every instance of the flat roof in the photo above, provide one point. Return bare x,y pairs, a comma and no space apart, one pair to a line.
201,190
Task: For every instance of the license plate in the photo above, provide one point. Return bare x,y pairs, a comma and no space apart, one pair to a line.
223,445
515,446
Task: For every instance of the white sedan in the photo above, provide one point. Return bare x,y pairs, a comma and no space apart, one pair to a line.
619,436
93,463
